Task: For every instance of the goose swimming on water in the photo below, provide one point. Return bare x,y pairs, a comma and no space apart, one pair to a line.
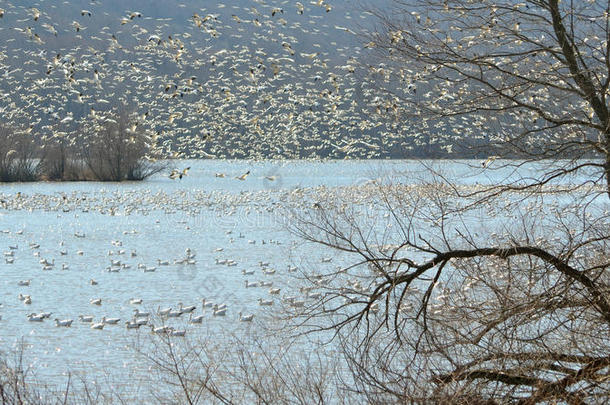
219,311
33,317
65,323
196,319
110,321
246,318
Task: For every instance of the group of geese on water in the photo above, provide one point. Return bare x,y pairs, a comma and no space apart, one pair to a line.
139,317
122,258
143,318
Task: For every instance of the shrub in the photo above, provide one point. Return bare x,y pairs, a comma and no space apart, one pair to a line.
117,149
18,156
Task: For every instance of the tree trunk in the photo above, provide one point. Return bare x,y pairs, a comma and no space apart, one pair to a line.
607,173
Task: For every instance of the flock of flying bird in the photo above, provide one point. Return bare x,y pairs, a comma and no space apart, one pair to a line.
276,79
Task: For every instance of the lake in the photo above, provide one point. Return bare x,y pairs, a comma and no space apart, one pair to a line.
116,233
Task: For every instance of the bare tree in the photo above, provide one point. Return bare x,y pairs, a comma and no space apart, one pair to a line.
14,384
20,385
250,367
481,294
116,149
523,79
473,294
19,159
60,159
457,300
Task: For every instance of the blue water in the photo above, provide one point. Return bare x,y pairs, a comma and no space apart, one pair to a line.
217,218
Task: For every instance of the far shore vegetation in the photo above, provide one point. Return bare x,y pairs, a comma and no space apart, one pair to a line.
116,150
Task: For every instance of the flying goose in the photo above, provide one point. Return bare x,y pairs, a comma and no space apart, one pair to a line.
243,176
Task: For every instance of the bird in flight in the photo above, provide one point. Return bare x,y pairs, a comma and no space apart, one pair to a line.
177,174
243,176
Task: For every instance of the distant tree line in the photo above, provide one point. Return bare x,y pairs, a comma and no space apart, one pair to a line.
113,150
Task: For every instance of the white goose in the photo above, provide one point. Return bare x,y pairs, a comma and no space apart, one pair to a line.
65,323
174,314
138,314
99,325
86,318
35,317
247,318
196,319
132,325
263,302
183,309
110,321
219,311
175,332
164,311
160,329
